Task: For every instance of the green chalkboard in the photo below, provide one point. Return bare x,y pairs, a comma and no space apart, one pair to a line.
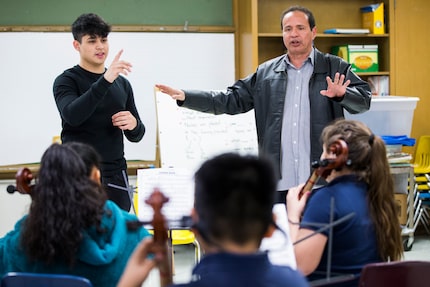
118,12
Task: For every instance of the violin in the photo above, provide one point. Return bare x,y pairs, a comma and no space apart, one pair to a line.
323,168
23,179
161,243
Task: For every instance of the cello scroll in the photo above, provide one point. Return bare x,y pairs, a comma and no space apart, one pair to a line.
323,168
23,179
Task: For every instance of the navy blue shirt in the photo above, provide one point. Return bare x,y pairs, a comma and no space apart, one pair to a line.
354,240
226,269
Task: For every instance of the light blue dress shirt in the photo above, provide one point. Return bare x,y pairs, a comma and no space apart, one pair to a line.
295,137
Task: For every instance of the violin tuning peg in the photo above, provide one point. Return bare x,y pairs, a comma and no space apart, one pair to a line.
315,164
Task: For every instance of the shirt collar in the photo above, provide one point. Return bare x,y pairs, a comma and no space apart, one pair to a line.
310,58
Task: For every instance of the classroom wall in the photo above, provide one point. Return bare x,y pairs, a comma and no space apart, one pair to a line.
126,12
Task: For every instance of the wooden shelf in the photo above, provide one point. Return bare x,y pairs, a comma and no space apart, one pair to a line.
260,35
353,35
380,73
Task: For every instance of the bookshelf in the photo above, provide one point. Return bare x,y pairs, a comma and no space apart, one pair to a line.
260,36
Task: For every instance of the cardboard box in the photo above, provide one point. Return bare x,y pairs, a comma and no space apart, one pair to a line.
401,202
363,58
401,183
373,18
388,115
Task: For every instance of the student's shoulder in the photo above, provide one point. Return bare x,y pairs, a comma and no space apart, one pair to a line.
71,72
286,274
282,276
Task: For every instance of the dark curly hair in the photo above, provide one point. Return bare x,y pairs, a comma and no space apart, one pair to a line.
90,24
65,202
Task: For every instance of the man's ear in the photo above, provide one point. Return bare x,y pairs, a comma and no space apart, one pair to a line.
76,45
95,175
314,32
271,228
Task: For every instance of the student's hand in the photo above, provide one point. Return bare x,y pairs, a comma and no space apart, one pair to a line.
138,266
295,206
174,93
336,88
124,120
117,67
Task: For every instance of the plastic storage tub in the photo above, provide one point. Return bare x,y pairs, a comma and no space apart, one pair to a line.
388,115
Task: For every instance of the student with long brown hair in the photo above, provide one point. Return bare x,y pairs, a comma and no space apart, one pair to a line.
362,188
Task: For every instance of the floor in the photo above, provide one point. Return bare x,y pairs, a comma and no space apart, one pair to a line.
184,259
420,249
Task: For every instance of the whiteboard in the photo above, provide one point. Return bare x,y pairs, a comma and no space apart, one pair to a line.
187,138
32,60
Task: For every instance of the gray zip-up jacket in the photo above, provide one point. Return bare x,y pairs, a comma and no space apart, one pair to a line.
264,91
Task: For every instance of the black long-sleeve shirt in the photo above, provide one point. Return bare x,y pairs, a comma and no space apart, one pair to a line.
86,102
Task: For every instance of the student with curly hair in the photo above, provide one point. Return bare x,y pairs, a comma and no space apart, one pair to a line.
71,227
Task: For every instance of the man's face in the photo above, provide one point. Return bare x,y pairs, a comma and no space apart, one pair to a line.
297,34
93,50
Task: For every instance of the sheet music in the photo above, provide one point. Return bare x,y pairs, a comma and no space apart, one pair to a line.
280,246
175,183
